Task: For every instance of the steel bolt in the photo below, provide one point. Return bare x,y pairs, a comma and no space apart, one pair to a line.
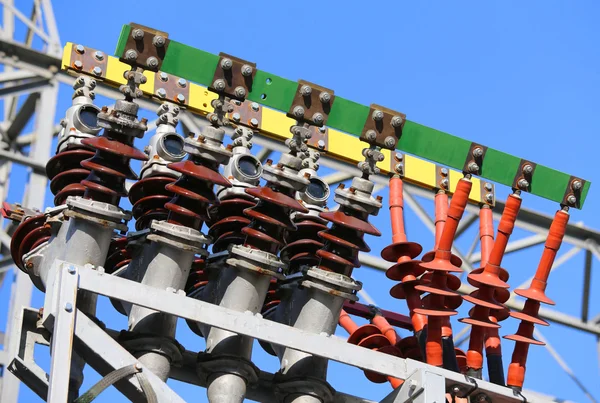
325,97
577,185
487,186
219,84
69,307
226,64
182,82
444,171
137,34
523,183
236,117
398,157
254,106
138,366
322,129
78,64
305,90
444,183
399,168
240,92
180,98
80,49
163,76
397,121
572,199
131,55
478,152
321,144
298,111
152,62
527,169
247,70
390,141
473,167
97,71
489,197
71,270
371,135
377,115
161,92
213,118
254,122
318,118
99,55
159,41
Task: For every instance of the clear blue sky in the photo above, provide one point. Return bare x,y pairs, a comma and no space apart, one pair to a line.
521,77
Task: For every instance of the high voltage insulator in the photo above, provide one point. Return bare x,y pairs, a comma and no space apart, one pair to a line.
441,265
148,195
536,295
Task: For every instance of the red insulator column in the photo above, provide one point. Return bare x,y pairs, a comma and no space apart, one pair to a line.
535,295
440,266
489,280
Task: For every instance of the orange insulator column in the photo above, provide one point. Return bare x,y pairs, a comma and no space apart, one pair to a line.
374,337
535,295
402,253
440,266
490,281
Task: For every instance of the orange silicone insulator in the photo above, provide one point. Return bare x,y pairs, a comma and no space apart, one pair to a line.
535,295
386,329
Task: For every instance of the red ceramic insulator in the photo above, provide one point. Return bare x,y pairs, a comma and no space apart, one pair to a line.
270,218
109,166
441,265
65,173
406,270
344,239
302,245
193,192
30,234
198,276
227,220
486,233
118,255
535,295
148,197
490,280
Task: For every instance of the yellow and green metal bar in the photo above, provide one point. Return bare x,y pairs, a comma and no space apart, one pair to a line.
78,59
349,117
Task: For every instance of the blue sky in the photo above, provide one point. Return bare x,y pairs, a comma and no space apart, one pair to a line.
521,77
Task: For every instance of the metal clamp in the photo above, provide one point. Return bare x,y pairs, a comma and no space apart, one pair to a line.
233,77
383,127
145,48
312,104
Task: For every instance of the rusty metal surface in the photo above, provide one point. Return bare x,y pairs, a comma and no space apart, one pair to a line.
316,105
233,77
88,60
319,138
246,113
145,48
172,88
474,159
523,175
379,125
572,191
